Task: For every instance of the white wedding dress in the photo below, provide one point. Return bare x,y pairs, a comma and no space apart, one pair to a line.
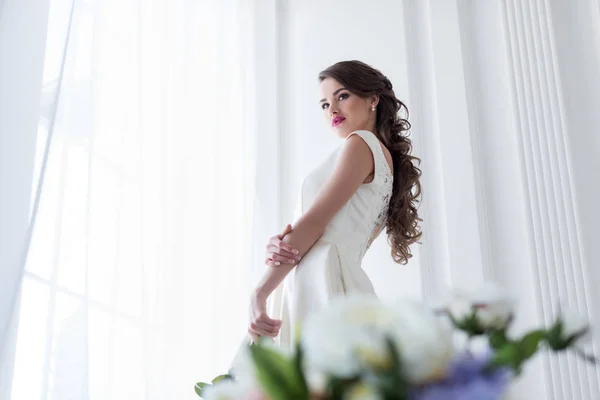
332,267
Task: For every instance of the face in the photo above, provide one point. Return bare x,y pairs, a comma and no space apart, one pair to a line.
344,111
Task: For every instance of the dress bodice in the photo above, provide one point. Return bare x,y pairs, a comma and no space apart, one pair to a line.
363,217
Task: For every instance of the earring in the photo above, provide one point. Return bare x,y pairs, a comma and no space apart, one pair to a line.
373,108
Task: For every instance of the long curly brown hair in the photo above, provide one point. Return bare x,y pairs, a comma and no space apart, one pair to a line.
403,220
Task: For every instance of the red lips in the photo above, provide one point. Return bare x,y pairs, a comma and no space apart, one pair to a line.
337,120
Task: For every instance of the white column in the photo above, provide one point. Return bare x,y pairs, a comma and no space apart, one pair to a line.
555,233
452,250
576,33
501,197
576,28
434,257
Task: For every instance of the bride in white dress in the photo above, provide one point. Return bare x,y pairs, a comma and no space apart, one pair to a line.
368,184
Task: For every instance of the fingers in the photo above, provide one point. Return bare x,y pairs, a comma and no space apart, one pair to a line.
262,331
284,253
272,263
277,261
276,323
267,321
288,229
265,326
278,252
264,319
283,260
275,241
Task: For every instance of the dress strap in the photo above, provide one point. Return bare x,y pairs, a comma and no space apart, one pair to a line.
382,168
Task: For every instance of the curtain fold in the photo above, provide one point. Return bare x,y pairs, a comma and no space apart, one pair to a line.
137,270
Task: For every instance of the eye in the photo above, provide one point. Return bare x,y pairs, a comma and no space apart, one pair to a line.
343,96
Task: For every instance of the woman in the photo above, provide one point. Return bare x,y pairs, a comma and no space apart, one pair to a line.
369,183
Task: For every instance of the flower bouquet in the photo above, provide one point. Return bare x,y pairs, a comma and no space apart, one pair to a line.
360,348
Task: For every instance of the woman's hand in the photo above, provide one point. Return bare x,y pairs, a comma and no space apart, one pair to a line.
278,252
260,323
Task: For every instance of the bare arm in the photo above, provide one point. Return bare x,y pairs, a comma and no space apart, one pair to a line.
354,165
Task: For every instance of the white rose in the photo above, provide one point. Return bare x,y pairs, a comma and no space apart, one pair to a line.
574,324
425,343
459,306
495,308
332,337
349,336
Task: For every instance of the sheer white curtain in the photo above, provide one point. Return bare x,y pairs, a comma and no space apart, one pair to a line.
137,270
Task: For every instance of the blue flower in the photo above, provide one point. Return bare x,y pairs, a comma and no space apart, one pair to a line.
467,380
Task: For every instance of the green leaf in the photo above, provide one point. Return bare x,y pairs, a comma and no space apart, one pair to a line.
530,342
391,383
508,356
513,354
298,364
199,387
497,339
336,388
392,388
587,357
278,375
396,357
470,324
222,378
553,336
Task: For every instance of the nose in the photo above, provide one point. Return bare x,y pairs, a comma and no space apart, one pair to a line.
333,111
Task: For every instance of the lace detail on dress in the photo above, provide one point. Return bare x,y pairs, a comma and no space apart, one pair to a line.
382,168
381,220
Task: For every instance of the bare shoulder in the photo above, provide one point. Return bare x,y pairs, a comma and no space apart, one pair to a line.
356,152
362,150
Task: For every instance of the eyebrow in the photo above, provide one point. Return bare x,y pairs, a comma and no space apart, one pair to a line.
334,93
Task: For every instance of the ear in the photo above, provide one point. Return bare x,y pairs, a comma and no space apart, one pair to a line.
374,100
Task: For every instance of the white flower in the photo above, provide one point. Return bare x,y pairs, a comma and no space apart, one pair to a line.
460,306
495,307
350,335
315,380
342,337
425,343
575,324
